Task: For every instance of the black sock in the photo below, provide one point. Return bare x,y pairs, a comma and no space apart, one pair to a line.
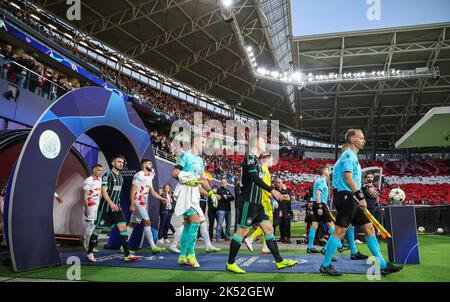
124,241
234,249
273,247
92,243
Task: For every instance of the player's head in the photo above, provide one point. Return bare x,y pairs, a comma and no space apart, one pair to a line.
146,165
355,137
324,171
118,162
369,177
266,159
224,182
97,170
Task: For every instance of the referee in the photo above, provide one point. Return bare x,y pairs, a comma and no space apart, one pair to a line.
349,204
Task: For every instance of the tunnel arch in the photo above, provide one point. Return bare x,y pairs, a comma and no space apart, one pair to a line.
114,126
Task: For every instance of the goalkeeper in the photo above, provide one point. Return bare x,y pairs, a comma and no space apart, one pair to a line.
266,162
188,171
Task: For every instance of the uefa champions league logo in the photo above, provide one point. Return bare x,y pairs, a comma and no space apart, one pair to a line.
49,144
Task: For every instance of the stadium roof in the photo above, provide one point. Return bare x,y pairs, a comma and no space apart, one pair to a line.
190,42
432,130
388,108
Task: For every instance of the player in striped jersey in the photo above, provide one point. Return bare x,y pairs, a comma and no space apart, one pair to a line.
110,213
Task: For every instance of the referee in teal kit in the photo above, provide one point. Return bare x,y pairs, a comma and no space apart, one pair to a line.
349,203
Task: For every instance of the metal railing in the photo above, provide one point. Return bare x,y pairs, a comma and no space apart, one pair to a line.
28,79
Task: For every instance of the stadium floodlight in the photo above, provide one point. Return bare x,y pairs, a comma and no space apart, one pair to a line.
68,36
35,17
227,3
99,51
15,5
114,58
249,49
275,74
52,26
128,65
82,43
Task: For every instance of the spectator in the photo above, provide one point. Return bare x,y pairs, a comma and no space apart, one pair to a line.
284,212
165,214
224,210
211,215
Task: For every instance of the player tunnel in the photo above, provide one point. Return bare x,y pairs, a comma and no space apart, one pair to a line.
68,222
115,128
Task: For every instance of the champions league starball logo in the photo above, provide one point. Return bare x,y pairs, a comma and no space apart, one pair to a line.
49,144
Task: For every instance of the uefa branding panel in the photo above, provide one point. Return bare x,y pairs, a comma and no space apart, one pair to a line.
225,148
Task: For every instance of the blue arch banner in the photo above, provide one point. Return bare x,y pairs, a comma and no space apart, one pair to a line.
114,126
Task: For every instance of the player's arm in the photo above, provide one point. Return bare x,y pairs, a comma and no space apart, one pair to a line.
156,195
133,190
357,193
86,199
260,183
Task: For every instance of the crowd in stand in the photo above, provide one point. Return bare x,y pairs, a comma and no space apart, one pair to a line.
26,72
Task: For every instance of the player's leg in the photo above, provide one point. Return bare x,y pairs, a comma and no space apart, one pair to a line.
311,237
235,245
374,247
273,246
92,244
90,225
194,222
176,238
345,213
350,236
149,236
118,219
265,249
205,235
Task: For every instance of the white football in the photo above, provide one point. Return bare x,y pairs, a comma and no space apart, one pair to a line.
440,231
397,196
421,229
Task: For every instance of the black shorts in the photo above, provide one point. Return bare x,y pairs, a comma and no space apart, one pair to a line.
348,211
109,219
252,214
325,217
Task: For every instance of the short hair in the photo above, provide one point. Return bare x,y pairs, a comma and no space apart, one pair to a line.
350,134
265,155
118,156
97,166
322,169
144,160
370,173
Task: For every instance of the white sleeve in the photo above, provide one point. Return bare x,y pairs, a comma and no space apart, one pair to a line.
86,185
136,180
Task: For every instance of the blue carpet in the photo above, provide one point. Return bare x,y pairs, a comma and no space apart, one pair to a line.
256,263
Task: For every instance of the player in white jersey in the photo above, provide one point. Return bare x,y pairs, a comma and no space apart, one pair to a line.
92,188
140,188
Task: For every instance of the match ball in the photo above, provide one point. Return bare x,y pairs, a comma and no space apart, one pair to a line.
440,231
421,229
397,196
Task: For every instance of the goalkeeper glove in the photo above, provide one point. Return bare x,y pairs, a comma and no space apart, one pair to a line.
193,183
213,197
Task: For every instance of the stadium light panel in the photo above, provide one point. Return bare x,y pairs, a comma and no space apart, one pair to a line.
15,5
227,3
35,17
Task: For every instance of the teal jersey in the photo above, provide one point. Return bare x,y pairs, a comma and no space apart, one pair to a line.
189,162
348,162
322,186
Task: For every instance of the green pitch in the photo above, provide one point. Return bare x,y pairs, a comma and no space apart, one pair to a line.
434,256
